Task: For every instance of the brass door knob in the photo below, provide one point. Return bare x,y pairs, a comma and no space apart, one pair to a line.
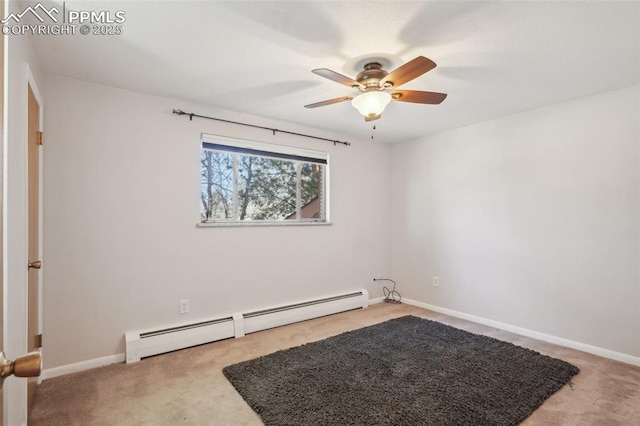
28,365
36,264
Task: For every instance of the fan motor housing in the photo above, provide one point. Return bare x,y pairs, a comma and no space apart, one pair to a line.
371,75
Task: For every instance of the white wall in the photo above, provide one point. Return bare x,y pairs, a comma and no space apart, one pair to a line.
531,220
121,207
20,54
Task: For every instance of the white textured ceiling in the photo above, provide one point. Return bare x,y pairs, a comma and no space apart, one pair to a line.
494,58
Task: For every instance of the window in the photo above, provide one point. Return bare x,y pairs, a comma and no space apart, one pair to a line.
245,181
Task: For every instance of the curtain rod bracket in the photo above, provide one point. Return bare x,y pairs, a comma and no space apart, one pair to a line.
191,115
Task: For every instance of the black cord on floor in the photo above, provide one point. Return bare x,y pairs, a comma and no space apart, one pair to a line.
390,296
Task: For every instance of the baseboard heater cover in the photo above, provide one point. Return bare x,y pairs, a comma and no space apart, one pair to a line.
141,344
276,317
153,342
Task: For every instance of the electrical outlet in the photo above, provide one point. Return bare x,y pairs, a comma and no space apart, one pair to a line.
436,281
184,306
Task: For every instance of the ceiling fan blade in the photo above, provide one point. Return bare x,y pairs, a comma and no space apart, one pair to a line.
329,102
418,97
338,78
407,72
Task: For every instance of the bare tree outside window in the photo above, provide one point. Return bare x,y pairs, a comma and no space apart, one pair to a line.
245,187
217,185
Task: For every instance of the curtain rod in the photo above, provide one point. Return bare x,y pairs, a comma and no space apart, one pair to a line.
191,115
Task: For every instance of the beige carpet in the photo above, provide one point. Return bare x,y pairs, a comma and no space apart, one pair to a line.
187,387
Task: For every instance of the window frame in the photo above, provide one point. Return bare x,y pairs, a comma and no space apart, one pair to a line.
263,149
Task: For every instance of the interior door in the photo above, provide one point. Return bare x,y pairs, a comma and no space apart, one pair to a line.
1,198
34,139
28,365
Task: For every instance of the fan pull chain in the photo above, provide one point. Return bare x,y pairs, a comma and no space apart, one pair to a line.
374,127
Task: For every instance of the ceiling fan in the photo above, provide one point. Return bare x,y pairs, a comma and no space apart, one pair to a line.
378,87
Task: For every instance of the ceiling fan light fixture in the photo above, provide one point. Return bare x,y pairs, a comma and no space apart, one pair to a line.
371,103
374,81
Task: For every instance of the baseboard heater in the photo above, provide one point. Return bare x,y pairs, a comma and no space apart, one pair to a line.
153,342
142,344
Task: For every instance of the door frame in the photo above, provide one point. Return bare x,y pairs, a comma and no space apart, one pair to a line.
31,83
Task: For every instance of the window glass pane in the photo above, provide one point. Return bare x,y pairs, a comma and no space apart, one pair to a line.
311,184
216,185
266,188
239,184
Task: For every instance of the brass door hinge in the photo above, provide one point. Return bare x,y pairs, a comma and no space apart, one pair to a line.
40,138
39,340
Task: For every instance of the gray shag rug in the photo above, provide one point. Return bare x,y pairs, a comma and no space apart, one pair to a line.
406,371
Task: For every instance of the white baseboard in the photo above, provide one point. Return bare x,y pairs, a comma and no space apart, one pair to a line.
376,300
606,353
81,366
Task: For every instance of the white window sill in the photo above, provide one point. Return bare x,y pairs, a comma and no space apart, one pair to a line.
259,223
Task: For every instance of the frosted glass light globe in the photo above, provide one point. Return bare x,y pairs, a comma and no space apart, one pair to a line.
371,103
